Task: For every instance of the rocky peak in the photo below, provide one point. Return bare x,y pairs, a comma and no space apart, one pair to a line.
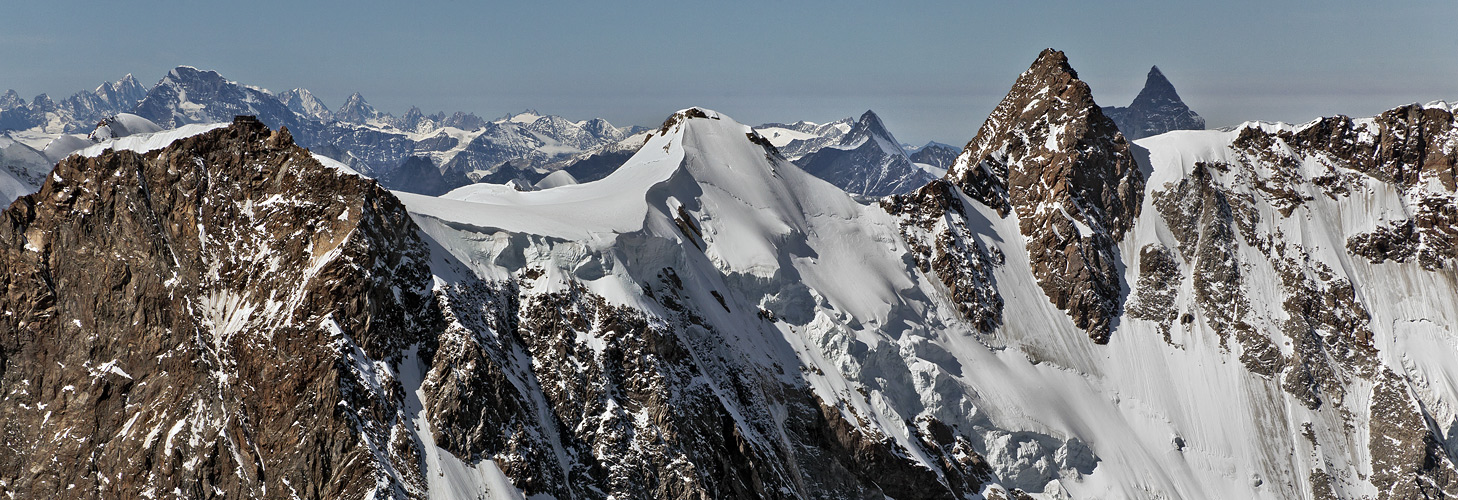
1156,110
356,110
221,315
183,75
121,95
190,95
303,102
42,103
871,123
684,115
1048,155
11,100
462,120
1156,87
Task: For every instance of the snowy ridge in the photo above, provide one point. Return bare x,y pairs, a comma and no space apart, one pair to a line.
778,243
1244,280
144,143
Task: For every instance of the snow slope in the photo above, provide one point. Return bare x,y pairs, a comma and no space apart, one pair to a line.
871,334
1055,414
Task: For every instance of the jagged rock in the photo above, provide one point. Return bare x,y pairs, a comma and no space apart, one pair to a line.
1204,222
933,223
1156,110
1407,462
1049,156
1157,292
1411,148
230,333
75,114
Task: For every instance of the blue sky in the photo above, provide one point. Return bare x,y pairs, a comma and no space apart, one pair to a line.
932,70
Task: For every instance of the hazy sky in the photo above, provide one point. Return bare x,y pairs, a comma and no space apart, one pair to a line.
932,70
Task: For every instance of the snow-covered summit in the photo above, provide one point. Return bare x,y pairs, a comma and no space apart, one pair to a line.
356,110
303,102
866,161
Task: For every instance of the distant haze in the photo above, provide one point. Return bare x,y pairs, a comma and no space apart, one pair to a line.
932,70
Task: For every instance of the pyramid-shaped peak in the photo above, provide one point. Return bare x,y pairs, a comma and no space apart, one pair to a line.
356,103
870,119
870,127
356,110
1156,110
1156,83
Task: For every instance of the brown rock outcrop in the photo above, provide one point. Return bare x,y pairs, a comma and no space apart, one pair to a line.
1049,155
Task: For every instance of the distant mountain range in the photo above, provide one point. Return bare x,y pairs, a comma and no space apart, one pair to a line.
435,153
424,153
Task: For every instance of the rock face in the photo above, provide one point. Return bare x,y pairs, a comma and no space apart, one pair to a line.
1049,156
418,174
1306,314
1156,110
934,224
866,161
1413,149
218,318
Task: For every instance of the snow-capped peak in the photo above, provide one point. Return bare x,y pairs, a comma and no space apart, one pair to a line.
303,102
356,110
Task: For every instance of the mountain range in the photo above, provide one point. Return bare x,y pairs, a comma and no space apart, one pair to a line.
860,156
1260,312
462,147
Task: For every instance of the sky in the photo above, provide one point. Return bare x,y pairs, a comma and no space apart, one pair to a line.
931,70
